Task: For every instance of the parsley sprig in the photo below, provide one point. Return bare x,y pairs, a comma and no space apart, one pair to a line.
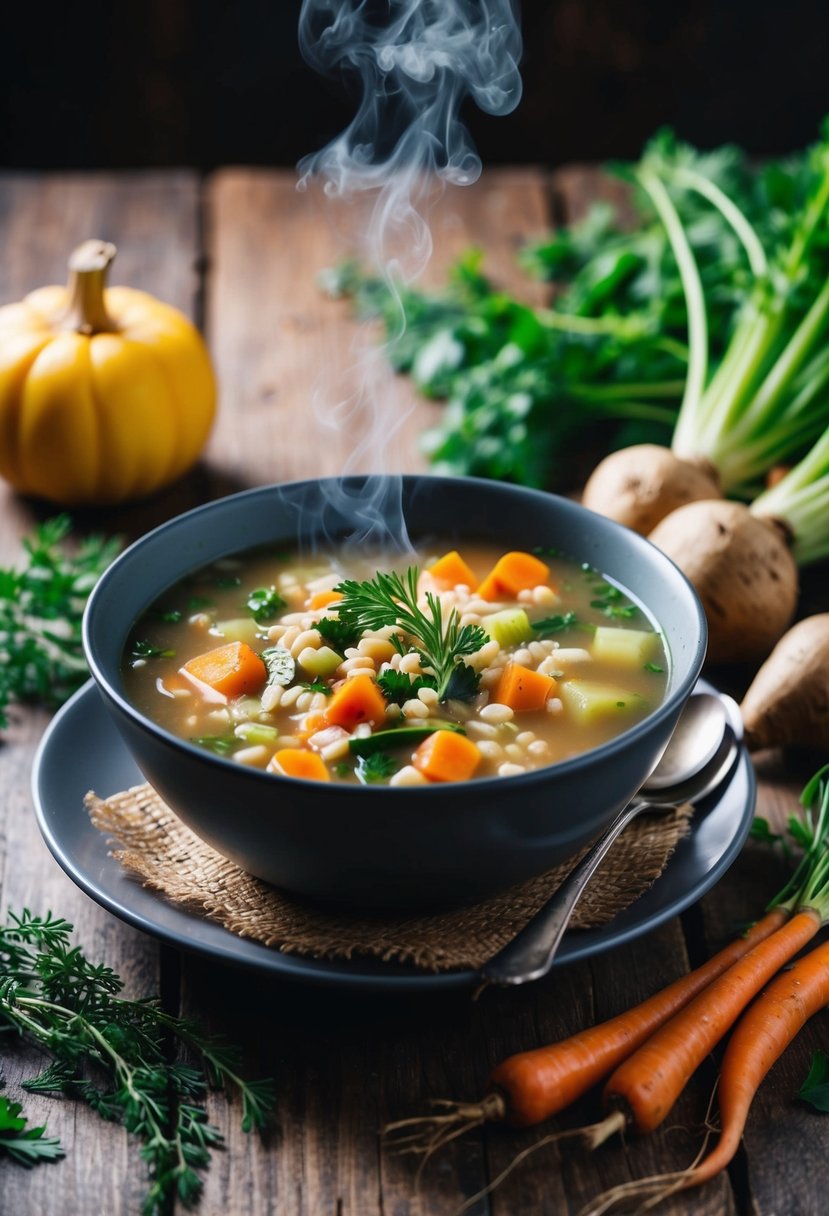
442,643
25,1145
41,607
114,1054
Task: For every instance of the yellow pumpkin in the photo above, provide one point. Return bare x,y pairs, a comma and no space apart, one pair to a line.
106,394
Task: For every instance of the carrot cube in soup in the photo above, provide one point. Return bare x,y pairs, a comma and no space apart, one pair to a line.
523,689
359,700
451,569
321,599
446,756
230,671
512,573
296,762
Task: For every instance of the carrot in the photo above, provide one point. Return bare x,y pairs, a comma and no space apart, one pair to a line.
523,689
321,599
296,762
358,700
229,671
532,1086
645,1086
446,756
451,570
512,573
759,1039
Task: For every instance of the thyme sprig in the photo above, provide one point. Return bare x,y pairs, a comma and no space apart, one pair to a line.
114,1054
391,600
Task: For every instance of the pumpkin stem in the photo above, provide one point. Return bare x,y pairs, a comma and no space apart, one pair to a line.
89,265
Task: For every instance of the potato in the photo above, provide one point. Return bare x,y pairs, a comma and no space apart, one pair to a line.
588,701
624,647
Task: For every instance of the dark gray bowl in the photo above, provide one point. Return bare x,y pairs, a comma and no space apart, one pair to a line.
380,846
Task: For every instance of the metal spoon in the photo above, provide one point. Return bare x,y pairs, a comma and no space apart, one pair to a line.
700,754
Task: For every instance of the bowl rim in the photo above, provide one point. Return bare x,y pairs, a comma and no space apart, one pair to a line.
605,751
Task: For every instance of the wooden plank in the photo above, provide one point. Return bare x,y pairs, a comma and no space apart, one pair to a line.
286,354
153,219
343,1065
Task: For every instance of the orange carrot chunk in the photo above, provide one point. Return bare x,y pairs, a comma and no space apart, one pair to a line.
230,670
512,573
296,762
321,599
451,570
358,700
523,689
446,756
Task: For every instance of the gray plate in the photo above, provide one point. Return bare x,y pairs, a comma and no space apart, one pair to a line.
82,750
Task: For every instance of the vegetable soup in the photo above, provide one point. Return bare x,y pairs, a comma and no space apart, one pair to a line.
463,665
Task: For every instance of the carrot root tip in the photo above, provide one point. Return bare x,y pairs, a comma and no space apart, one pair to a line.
596,1135
425,1134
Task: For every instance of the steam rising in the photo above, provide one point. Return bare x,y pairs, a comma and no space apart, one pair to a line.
415,62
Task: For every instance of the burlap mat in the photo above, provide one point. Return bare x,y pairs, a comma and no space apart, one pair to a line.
157,848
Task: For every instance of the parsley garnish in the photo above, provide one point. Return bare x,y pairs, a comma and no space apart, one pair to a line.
26,1145
317,685
197,603
119,1056
399,687
655,668
41,606
554,624
142,649
613,602
388,599
227,581
170,616
815,1089
343,769
265,603
377,767
339,634
222,745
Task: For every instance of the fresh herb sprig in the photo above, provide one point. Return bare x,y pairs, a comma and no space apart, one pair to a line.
26,1145
398,686
114,1054
391,600
41,607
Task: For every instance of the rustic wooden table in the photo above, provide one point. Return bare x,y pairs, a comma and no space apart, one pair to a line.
239,253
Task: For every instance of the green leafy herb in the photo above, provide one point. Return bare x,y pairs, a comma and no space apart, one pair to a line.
815,1089
654,668
555,624
343,769
318,685
265,603
114,1054
198,603
389,599
41,606
612,602
400,736
222,745
399,687
280,664
377,767
25,1145
170,616
338,633
228,581
142,649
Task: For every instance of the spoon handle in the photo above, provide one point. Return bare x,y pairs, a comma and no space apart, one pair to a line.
530,954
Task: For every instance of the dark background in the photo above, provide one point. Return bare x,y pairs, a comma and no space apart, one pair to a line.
208,82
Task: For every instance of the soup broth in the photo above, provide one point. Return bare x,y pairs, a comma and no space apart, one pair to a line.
446,667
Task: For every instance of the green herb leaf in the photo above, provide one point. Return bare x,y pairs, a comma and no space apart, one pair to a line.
399,686
338,633
222,745
554,624
228,581
318,685
41,607
654,668
141,649
377,767
612,602
198,603
265,603
391,600
72,1009
762,833
170,616
25,1145
815,1089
